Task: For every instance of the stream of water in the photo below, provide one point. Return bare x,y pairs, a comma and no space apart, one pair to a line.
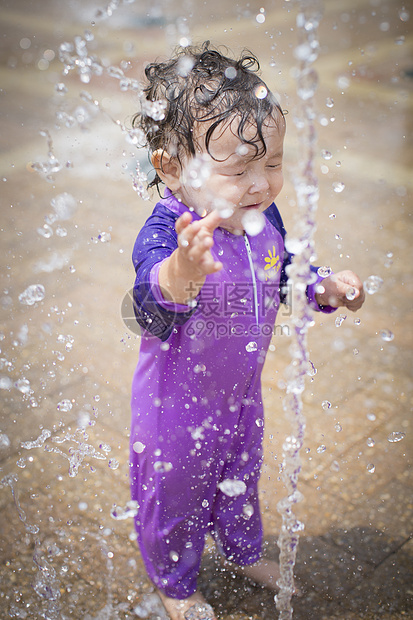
309,13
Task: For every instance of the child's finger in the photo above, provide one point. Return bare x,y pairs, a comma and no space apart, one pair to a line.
211,221
183,222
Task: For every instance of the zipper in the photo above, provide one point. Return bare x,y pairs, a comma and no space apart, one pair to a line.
254,281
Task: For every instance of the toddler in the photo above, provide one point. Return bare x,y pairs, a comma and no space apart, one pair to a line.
206,295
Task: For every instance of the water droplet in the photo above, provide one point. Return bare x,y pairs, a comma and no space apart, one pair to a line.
338,187
248,511
371,468
64,206
321,449
351,293
64,405
326,154
326,405
260,18
196,172
260,91
332,216
129,511
61,88
174,556
185,64
338,428
253,222
386,335
308,81
343,82
82,506
230,73
205,503
329,102
61,232
357,321
396,436
5,383
324,271
4,441
295,246
154,109
45,231
259,422
113,463
232,488
372,284
162,467
370,442
104,237
37,443
311,369
404,15
335,466
340,319
23,385
138,447
371,416
251,347
242,150
32,294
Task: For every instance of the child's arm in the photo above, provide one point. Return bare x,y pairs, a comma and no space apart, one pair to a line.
337,286
182,275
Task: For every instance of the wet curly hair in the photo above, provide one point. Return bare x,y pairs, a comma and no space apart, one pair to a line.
201,85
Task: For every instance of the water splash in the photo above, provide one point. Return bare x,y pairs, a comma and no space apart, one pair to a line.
306,186
37,443
372,284
46,585
32,294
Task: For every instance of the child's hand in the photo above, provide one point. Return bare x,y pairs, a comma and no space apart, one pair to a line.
342,289
195,240
183,274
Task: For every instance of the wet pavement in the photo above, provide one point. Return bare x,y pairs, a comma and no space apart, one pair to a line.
67,360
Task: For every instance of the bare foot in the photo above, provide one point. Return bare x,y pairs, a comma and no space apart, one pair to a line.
264,572
194,607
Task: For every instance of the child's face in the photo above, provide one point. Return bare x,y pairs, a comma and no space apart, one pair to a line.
236,179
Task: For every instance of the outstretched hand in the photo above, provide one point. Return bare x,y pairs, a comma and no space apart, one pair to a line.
195,240
341,289
183,274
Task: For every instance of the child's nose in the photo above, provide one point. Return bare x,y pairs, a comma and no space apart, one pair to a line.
259,183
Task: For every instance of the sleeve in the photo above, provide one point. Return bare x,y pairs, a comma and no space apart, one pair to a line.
274,216
156,242
311,291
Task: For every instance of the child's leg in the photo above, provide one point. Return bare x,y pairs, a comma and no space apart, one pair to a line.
174,484
237,519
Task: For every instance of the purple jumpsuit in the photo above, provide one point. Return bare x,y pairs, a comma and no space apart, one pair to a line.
197,414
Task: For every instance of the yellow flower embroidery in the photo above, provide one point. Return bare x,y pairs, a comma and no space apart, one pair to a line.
273,262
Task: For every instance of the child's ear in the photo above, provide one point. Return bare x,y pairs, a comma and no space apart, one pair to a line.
168,168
